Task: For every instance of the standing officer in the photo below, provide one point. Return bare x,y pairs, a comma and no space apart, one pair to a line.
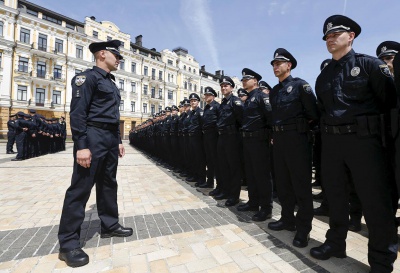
210,136
174,137
64,132
21,128
256,155
11,134
228,146
294,112
97,145
353,90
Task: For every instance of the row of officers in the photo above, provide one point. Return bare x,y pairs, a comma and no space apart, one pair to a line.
355,112
34,135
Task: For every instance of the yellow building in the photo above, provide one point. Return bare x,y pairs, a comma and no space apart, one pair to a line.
42,50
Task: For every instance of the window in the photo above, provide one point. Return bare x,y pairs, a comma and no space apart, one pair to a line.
121,84
194,71
133,87
153,92
109,38
1,58
32,12
40,96
132,106
190,86
170,95
59,46
145,108
195,88
25,36
41,69
21,93
153,73
133,68
79,52
42,43
51,19
146,71
160,93
153,109
185,85
77,71
170,62
160,75
201,90
95,34
23,64
184,67
169,77
121,105
172,78
70,26
145,88
1,28
57,71
159,108
56,97
190,69
122,64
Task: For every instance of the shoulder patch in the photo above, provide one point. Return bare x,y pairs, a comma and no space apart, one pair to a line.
266,100
385,70
307,88
238,102
79,80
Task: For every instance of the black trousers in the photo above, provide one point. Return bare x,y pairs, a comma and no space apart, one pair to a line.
365,160
103,145
229,167
174,156
10,141
210,141
197,157
20,139
292,162
258,171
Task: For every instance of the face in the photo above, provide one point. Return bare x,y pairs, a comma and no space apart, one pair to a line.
208,98
226,89
168,113
281,68
194,103
339,41
389,61
187,108
174,112
243,98
111,60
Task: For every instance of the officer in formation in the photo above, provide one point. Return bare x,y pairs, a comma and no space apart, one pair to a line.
97,146
35,135
11,134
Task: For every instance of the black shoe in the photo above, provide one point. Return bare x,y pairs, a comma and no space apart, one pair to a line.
321,211
247,207
119,232
191,179
301,239
221,196
9,152
262,215
280,225
325,251
196,184
74,258
318,196
215,192
355,225
16,159
231,202
316,184
206,185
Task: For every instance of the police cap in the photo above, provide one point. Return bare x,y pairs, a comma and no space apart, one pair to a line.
162,112
226,80
283,55
340,23
210,91
325,63
242,92
186,102
112,46
180,104
194,96
167,109
21,114
174,108
13,115
248,74
387,48
32,111
264,85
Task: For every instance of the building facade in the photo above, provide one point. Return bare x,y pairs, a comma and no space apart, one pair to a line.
42,50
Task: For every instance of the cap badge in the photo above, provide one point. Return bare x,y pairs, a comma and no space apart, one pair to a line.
329,26
289,89
244,74
383,49
276,54
355,71
211,108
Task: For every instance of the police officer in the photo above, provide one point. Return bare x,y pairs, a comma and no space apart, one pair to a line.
97,145
353,90
187,163
210,136
228,147
256,120
11,134
386,51
242,94
63,132
264,87
174,136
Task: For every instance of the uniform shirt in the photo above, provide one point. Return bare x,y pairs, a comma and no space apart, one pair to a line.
95,97
20,124
167,125
195,120
256,111
291,99
182,118
11,126
355,85
174,123
230,112
210,115
186,122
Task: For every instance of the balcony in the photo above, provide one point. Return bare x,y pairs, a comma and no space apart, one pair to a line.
46,51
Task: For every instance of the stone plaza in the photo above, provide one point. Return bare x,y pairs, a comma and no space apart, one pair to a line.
176,228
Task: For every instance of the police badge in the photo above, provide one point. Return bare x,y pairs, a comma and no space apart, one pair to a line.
237,102
266,100
355,71
385,70
79,80
307,88
289,89
253,99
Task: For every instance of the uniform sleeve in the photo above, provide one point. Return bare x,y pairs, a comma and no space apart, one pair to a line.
396,67
266,107
80,105
309,102
237,106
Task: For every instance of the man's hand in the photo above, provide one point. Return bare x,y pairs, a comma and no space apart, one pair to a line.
33,135
121,150
25,129
84,157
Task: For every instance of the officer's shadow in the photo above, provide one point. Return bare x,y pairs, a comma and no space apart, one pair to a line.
90,229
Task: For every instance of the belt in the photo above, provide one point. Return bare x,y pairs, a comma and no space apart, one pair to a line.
282,128
194,134
102,125
231,129
339,129
260,133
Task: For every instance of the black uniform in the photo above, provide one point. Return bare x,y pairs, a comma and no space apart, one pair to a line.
95,126
196,150
352,94
21,126
293,107
10,136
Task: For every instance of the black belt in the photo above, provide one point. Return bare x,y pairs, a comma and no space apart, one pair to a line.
102,125
284,127
260,133
339,129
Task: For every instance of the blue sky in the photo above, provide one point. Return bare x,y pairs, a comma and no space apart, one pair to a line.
233,34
